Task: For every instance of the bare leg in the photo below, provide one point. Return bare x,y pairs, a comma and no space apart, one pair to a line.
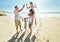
20,28
30,30
30,26
35,22
25,30
17,29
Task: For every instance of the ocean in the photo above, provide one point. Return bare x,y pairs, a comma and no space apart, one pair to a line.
38,14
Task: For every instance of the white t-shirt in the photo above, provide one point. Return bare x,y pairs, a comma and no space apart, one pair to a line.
17,17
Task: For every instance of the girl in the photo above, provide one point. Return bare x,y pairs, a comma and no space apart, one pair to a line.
25,23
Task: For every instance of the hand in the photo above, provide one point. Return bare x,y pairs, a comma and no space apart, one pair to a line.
23,5
35,5
26,4
22,19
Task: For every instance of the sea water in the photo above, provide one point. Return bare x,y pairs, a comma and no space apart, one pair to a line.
37,15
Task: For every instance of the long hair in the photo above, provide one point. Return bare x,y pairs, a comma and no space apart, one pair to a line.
31,10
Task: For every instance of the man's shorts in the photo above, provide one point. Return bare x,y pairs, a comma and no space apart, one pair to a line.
17,22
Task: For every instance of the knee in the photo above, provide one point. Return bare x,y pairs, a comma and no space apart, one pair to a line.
16,27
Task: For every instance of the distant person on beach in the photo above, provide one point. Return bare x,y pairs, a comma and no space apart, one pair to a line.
17,17
31,18
32,7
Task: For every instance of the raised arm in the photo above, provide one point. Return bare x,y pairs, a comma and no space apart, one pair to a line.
21,8
27,6
20,17
35,5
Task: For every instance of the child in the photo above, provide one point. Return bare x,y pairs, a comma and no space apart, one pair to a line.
25,23
32,7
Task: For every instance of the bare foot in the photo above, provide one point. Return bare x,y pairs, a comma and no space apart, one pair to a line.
17,33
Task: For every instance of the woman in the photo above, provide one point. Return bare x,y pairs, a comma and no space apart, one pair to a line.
31,19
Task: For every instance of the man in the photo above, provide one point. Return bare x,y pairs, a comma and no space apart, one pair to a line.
17,17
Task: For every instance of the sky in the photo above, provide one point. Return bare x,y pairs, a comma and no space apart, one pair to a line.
42,5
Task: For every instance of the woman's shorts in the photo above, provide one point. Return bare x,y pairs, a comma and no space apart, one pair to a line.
30,22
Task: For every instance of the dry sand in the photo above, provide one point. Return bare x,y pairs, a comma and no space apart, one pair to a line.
48,29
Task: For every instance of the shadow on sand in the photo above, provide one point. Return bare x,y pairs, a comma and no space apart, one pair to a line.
21,37
28,38
33,38
13,39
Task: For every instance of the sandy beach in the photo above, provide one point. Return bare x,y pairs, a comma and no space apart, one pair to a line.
48,29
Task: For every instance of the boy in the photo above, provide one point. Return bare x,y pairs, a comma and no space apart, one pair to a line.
17,17
25,23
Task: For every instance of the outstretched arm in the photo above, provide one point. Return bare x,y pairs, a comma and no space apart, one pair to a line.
21,8
21,18
27,6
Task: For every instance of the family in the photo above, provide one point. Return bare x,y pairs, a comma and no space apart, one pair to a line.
31,17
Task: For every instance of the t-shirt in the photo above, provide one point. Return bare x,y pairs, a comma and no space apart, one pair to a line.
32,7
16,15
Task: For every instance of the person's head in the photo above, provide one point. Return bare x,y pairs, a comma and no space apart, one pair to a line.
16,7
25,19
31,11
31,3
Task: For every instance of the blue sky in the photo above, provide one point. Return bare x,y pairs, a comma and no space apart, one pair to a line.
42,5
